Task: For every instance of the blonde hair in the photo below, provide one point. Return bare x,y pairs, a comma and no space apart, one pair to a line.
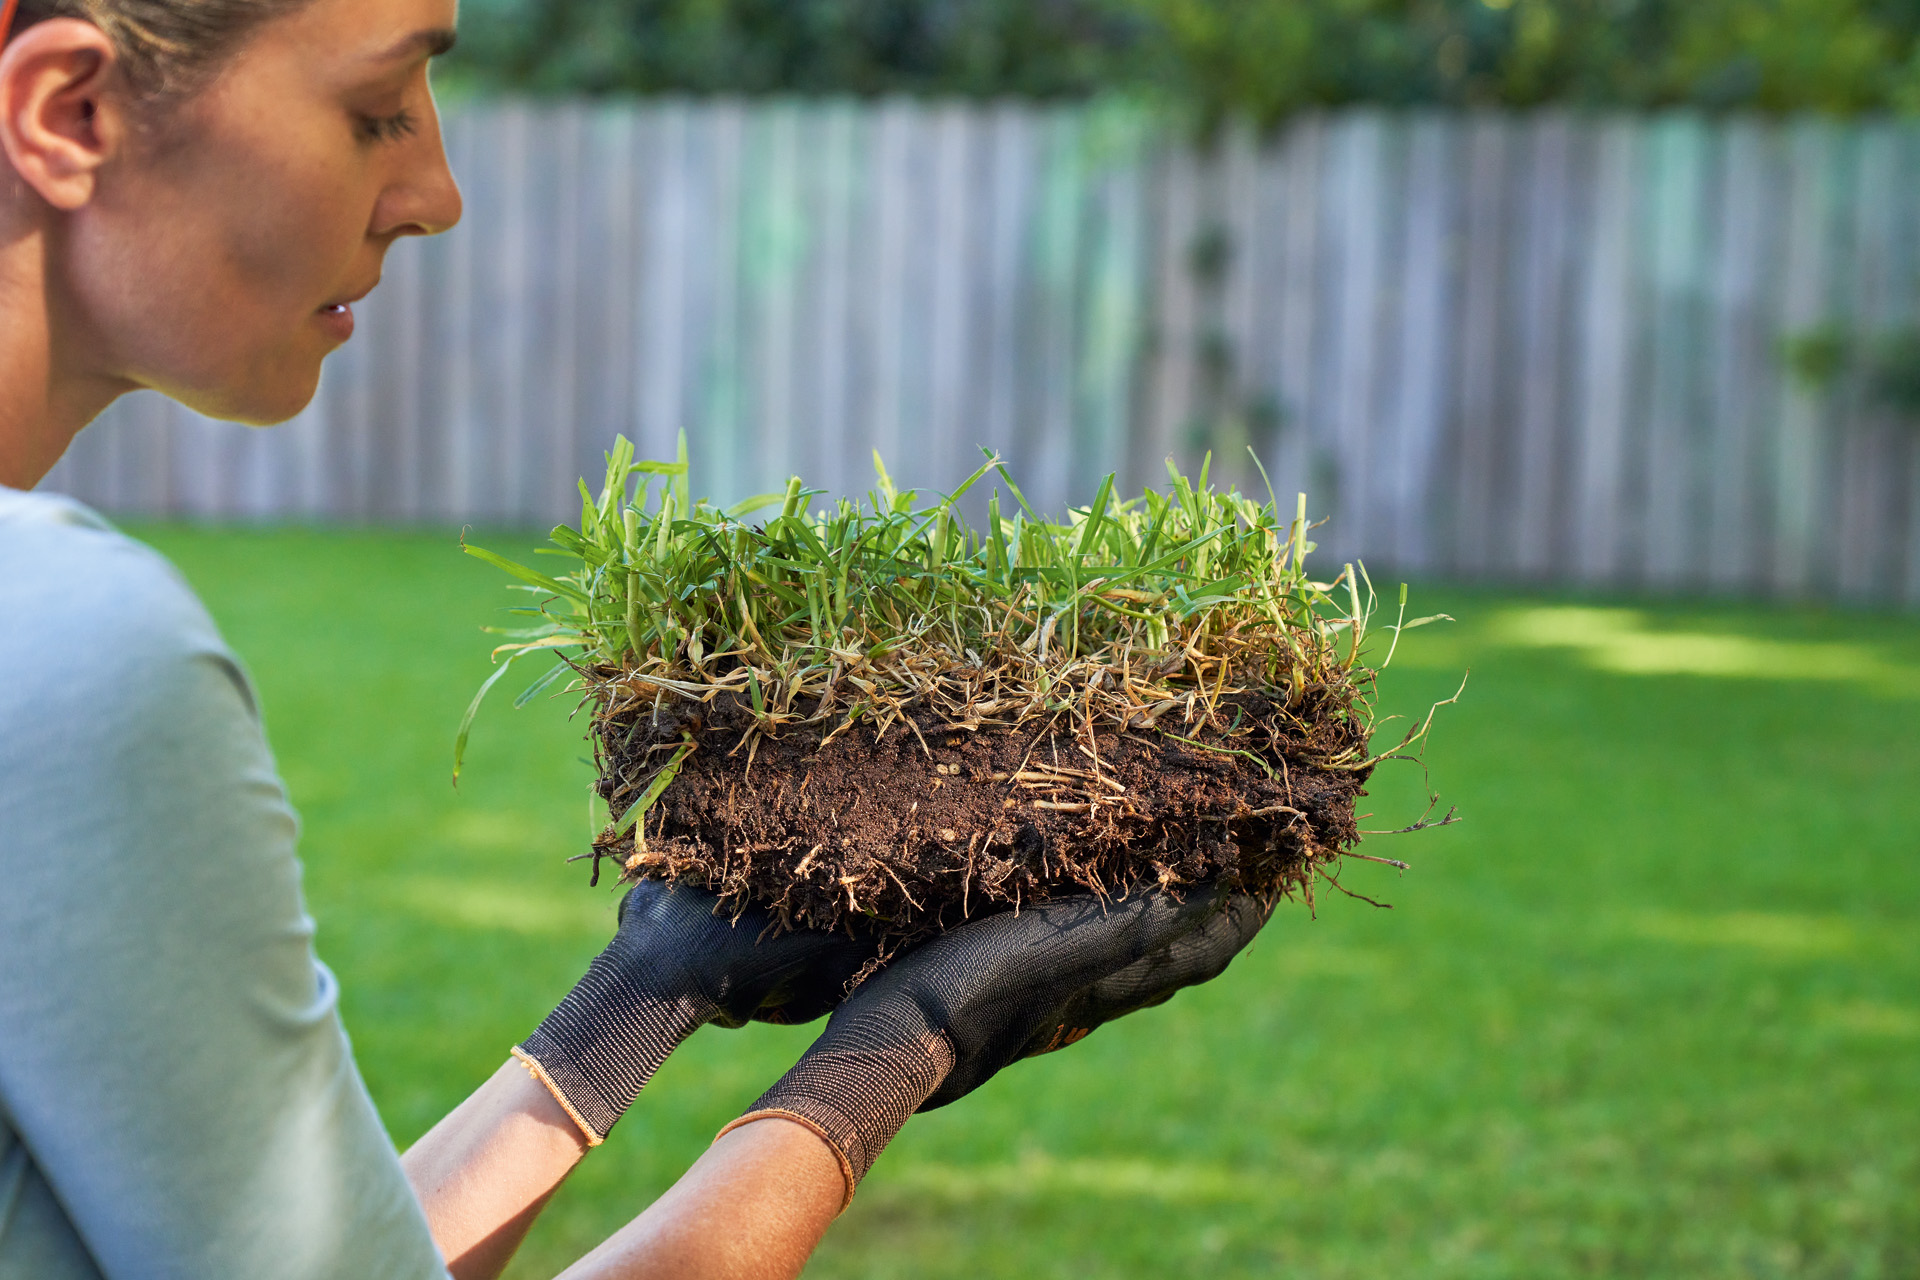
168,48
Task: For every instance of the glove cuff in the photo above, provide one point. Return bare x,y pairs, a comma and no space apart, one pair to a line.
856,1099
544,1078
598,1050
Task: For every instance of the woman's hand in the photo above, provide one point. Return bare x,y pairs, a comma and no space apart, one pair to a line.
1187,961
677,962
485,1171
940,1021
735,962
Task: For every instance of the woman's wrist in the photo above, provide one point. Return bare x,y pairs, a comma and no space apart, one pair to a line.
483,1172
603,1044
855,1092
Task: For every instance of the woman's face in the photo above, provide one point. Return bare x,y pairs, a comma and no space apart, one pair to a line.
225,244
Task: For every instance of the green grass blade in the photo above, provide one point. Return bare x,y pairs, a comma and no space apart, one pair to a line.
473,709
532,577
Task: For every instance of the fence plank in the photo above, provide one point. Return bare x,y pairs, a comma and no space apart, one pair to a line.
1868,483
1800,456
1425,342
1742,366
456,314
1261,309
1907,463
1302,158
1605,402
1356,219
1531,539
1171,393
1483,354
665,223
831,141
1675,259
1236,213
1114,334
611,261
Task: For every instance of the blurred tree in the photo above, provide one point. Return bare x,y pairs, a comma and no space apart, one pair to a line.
1835,55
1263,58
1035,48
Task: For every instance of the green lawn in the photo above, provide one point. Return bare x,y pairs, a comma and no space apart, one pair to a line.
1653,1009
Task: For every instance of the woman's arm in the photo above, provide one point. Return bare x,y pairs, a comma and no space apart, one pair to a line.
754,1205
173,1059
485,1171
925,1031
675,963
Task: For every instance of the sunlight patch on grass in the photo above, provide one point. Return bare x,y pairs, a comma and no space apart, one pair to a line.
1770,932
501,830
1330,962
1872,1018
1622,642
491,905
1038,1177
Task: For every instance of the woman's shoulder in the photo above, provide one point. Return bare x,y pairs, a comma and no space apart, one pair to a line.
81,601
43,534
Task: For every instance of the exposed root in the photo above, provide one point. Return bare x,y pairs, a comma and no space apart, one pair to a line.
917,831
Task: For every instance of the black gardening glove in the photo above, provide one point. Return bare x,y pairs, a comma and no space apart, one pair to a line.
1187,961
677,962
939,1021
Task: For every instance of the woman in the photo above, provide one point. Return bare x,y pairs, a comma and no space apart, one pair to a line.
194,195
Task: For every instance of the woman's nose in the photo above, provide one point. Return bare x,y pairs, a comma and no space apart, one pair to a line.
441,203
425,200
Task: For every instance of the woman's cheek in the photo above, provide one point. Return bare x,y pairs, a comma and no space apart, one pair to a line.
298,247
228,319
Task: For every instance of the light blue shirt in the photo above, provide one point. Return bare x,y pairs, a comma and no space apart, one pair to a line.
177,1094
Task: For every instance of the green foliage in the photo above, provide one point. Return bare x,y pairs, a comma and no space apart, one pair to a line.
1216,58
1817,356
1265,59
1885,365
1897,371
1043,48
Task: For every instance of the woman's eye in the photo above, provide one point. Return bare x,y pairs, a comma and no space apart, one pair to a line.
386,128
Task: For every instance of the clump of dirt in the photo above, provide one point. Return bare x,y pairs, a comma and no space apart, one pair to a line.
923,825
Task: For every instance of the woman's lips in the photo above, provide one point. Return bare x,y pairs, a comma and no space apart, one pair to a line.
337,319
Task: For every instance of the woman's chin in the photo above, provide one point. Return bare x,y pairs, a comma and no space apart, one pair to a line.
269,396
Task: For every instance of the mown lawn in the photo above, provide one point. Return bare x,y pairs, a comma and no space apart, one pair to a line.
1652,1009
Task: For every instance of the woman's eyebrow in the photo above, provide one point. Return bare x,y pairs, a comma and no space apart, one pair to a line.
430,43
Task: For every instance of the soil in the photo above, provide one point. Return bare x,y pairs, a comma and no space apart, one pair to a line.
924,826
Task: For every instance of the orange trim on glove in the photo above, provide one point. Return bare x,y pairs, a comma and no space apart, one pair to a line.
812,1126
545,1081
7,8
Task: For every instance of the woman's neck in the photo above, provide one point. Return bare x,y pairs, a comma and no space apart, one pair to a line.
47,391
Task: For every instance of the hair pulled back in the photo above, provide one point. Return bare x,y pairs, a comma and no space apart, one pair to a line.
168,48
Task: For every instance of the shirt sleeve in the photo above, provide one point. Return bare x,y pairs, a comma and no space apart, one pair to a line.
171,1052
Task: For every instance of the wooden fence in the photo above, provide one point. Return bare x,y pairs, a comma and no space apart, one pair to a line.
1538,347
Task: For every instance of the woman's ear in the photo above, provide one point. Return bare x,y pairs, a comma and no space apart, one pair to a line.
57,126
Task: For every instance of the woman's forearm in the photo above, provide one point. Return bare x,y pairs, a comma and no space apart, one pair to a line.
751,1208
484,1172
754,1205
